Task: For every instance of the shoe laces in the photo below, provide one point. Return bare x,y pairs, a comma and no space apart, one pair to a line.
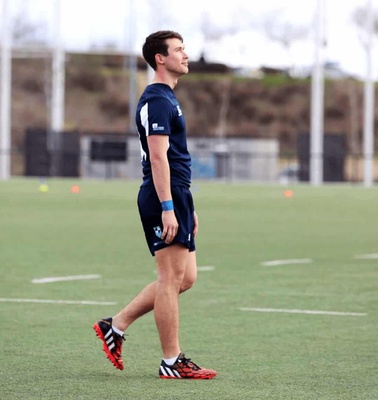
118,340
188,362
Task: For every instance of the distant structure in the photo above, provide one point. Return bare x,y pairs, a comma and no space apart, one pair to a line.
205,67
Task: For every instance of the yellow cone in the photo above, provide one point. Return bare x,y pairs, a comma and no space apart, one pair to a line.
43,188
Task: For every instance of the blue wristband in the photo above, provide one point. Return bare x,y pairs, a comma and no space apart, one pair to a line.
167,205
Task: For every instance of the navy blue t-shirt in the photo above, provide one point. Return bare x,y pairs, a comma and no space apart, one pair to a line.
159,113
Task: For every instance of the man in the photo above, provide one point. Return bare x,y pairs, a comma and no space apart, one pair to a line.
166,210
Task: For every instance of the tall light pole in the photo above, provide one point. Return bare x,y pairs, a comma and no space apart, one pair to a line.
132,67
369,101
5,111
57,95
317,99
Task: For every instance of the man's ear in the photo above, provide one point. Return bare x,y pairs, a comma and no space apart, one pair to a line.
159,59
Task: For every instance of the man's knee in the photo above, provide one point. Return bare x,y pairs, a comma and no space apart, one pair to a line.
187,283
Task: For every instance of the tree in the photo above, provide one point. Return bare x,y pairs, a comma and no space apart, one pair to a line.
25,32
285,33
360,19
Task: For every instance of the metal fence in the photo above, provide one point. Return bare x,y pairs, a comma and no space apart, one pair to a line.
231,166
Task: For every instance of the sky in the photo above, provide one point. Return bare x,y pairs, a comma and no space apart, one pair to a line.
233,33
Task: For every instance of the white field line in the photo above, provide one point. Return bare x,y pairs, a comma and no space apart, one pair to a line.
373,256
312,312
274,263
65,278
45,301
206,268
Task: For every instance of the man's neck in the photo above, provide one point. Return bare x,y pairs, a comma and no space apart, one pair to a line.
169,80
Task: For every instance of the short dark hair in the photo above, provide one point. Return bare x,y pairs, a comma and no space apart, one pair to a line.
156,44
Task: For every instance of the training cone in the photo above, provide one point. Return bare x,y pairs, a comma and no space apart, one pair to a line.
288,193
43,188
75,189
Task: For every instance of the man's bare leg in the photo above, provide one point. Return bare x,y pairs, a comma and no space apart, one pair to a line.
171,264
140,305
144,302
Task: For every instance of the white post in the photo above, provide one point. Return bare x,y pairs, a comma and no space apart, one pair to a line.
151,28
369,102
5,112
132,67
317,99
58,70
57,95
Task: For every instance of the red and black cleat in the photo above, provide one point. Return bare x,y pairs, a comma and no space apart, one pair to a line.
184,368
112,342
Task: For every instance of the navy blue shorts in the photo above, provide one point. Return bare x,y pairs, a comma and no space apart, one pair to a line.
150,214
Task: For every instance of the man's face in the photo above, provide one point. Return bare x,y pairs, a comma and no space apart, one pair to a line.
177,60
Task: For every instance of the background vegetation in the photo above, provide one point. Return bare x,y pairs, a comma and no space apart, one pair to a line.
216,104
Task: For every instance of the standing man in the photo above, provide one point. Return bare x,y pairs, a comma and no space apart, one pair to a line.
166,211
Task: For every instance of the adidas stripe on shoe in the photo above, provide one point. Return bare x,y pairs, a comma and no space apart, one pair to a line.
112,342
184,368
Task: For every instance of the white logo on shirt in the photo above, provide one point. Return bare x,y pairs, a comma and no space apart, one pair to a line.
156,127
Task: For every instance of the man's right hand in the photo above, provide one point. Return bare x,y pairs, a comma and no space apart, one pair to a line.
170,226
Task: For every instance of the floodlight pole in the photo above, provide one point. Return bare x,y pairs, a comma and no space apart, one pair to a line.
132,67
57,96
5,111
151,18
369,102
317,99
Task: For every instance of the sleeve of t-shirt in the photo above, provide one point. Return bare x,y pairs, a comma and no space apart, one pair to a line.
159,117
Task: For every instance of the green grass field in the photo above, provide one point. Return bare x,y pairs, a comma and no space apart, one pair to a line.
49,350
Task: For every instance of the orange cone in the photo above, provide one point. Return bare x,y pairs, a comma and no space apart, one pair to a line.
288,193
75,189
